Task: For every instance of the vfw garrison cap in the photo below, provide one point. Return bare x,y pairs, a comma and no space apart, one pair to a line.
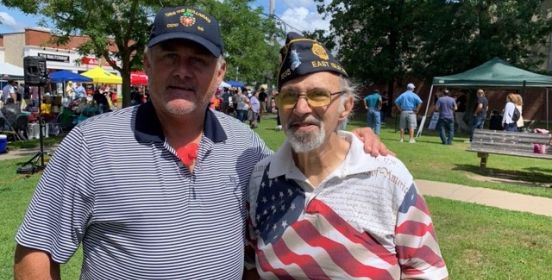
302,56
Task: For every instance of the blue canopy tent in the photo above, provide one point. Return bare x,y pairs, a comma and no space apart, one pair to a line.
64,76
236,84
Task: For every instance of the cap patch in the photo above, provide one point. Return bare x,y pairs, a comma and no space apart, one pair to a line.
187,19
319,51
295,60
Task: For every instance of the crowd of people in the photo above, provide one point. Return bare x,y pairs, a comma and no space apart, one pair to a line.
62,110
451,109
245,104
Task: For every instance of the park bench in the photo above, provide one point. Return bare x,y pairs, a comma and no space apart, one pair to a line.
485,142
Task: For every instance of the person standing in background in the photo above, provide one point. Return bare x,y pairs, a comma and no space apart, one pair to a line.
275,109
255,109
408,103
243,105
518,101
80,92
480,113
9,91
70,91
373,103
446,106
508,122
262,96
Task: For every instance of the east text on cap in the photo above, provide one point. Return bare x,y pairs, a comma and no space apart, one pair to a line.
302,56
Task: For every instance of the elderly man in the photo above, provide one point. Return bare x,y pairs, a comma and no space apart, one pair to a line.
159,189
320,208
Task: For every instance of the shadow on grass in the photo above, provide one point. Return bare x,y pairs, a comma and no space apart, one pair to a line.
532,178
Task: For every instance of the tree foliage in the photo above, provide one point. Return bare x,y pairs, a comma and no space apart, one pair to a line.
387,41
123,24
252,55
126,25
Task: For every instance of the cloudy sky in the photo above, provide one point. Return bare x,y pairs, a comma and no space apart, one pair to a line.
299,15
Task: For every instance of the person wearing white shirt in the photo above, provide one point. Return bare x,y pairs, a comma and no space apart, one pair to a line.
507,122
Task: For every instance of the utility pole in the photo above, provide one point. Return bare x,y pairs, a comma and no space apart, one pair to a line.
271,9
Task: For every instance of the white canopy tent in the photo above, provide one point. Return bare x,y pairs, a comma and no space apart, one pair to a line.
10,71
224,84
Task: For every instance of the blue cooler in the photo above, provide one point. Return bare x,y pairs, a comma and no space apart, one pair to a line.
3,143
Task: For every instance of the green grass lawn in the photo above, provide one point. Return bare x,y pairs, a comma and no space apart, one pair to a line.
478,242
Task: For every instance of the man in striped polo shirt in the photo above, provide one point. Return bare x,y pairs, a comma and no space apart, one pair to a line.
156,191
320,208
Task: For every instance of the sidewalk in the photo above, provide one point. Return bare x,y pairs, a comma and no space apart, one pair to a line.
489,197
25,153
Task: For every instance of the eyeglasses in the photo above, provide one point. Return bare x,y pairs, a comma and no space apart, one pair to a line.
316,97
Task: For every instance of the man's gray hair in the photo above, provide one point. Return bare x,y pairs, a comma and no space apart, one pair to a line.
350,91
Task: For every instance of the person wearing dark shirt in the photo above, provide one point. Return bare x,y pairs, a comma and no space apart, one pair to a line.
480,113
262,99
101,101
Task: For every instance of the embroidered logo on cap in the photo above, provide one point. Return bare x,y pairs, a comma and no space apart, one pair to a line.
295,60
187,19
319,51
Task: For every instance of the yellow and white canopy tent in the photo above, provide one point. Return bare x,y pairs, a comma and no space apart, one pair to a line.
101,76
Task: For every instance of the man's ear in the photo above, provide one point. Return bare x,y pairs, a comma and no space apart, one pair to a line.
348,105
147,64
221,71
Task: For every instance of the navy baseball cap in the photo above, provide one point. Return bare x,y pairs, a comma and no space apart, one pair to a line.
189,24
302,56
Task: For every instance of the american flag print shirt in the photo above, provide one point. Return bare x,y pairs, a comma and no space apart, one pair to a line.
367,220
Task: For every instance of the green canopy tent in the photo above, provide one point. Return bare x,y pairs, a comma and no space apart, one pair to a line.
493,73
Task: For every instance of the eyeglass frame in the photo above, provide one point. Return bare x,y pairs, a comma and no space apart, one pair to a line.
305,95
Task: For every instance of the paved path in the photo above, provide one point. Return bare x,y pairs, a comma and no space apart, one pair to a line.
24,153
489,197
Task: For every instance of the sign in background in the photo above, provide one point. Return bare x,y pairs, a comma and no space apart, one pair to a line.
55,57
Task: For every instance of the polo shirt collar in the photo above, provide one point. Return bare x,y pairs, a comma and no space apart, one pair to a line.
356,161
148,127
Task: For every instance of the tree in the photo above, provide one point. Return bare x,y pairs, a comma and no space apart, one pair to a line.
387,41
251,54
472,32
122,24
126,25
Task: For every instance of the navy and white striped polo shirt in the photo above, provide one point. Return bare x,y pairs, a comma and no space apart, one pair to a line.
115,185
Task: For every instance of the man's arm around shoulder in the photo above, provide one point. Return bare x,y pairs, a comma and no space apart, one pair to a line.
34,264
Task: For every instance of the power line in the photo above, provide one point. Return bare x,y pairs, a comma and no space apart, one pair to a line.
285,24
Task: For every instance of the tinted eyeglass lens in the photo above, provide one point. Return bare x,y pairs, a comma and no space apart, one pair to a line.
318,97
315,98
